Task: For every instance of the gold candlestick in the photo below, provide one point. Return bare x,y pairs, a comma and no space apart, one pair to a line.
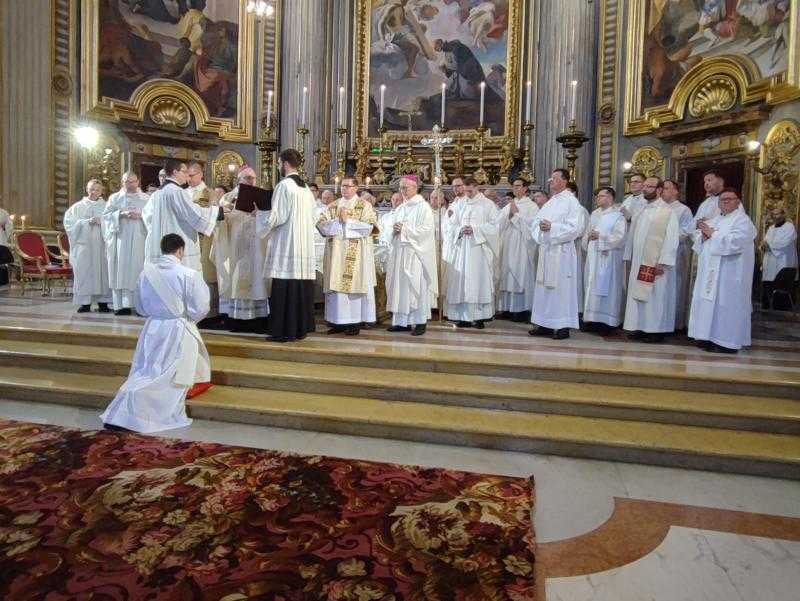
268,145
572,140
527,168
379,175
302,132
480,175
341,153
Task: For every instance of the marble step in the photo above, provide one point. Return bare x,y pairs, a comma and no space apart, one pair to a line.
764,454
740,412
725,375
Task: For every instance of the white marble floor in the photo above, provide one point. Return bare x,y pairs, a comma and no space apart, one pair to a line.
573,497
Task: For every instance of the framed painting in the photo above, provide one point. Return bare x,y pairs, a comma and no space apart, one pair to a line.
197,53
422,49
673,45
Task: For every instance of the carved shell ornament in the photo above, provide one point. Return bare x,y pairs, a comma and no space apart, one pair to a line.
170,112
716,95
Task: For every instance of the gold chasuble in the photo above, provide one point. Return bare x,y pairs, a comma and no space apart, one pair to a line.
202,197
349,263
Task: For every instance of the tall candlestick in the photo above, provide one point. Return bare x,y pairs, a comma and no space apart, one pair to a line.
444,89
383,96
528,104
341,106
303,106
574,85
269,109
483,97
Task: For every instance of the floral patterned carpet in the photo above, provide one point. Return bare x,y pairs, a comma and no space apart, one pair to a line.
112,516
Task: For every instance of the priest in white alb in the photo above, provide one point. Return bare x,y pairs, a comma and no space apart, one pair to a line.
349,277
604,243
172,211
554,229
517,255
721,300
650,250
713,183
83,223
474,254
780,254
170,356
125,234
412,283
634,201
683,260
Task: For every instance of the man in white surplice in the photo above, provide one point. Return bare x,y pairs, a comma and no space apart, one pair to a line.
411,275
172,211
780,252
713,183
517,254
555,228
683,260
83,223
349,267
604,243
650,250
442,216
125,234
170,356
721,300
474,251
633,202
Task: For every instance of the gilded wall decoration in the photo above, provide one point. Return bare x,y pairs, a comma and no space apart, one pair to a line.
608,82
673,46
224,174
716,95
104,162
169,112
201,53
649,161
780,169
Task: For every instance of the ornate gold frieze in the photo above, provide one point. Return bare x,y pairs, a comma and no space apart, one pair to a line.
605,158
104,162
716,95
169,112
649,161
221,168
780,169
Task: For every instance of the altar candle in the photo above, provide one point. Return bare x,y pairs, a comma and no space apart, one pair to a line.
483,97
528,104
269,108
341,106
367,182
303,107
574,85
383,96
336,185
23,221
444,89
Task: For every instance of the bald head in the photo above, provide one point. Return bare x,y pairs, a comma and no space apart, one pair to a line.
327,197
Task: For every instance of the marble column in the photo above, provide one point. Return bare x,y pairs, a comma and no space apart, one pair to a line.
305,52
566,35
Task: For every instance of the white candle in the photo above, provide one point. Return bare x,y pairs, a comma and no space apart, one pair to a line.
383,105
23,221
528,104
336,185
574,85
367,182
483,96
341,106
303,107
444,95
269,108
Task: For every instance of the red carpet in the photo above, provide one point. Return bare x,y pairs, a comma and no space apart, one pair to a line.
117,516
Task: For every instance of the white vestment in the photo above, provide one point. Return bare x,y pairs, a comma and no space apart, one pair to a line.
172,211
170,355
721,300
6,228
580,258
445,250
657,313
555,296
517,257
633,203
780,251
124,238
343,308
708,209
411,274
473,258
604,272
384,242
87,252
683,262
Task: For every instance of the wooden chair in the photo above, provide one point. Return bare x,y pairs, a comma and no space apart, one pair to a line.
34,261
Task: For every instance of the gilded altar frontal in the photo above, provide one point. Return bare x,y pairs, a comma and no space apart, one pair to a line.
400,300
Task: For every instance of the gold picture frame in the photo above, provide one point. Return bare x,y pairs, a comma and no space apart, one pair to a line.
752,87
361,58
236,129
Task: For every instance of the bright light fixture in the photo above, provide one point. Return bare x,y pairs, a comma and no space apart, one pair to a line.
87,137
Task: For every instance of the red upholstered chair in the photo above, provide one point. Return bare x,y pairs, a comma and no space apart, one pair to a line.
35,261
63,247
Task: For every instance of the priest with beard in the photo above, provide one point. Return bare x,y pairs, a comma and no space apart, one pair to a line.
289,230
780,253
349,278
556,227
171,211
517,254
83,223
721,301
411,274
474,253
651,250
125,233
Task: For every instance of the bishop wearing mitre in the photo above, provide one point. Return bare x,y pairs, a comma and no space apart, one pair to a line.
721,302
517,255
412,283
556,227
651,250
474,254
349,265
171,211
125,233
83,223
